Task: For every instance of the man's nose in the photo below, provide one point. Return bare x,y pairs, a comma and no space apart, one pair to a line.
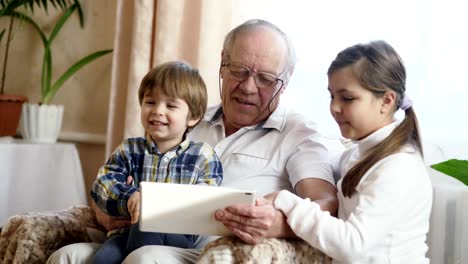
249,85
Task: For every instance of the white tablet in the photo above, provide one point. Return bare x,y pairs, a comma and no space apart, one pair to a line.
187,209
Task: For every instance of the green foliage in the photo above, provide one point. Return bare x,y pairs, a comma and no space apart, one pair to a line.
49,88
455,168
8,6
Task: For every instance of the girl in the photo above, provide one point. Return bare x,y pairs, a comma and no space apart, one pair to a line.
384,193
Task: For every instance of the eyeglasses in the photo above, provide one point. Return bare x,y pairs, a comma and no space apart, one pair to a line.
263,80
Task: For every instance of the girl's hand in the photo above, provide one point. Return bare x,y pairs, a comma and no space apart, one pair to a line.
133,206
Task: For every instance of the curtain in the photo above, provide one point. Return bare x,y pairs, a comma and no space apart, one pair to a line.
149,32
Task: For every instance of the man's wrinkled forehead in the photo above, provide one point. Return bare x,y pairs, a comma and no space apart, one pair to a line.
260,49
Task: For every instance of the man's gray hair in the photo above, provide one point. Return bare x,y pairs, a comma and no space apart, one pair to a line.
259,23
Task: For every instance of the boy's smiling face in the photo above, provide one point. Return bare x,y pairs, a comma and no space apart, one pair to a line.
166,119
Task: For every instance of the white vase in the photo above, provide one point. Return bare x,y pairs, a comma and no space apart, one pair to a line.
41,123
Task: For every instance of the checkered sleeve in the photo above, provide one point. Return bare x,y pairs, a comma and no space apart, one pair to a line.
110,191
210,170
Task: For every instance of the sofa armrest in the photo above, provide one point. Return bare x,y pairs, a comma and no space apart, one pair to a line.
233,250
448,233
33,237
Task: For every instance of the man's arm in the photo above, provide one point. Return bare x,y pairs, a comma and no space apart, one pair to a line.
319,191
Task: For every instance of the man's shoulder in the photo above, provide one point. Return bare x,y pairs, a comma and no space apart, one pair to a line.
295,121
213,112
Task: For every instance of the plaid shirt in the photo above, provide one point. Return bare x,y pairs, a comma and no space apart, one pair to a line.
188,163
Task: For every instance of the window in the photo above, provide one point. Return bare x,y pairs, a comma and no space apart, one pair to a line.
430,36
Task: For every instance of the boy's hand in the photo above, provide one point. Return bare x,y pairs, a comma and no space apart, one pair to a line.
134,207
107,221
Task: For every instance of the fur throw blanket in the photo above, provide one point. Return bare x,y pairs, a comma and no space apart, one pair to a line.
233,250
33,237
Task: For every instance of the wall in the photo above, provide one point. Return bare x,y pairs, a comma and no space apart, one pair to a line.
85,95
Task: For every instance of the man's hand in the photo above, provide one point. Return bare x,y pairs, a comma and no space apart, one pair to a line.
133,206
254,223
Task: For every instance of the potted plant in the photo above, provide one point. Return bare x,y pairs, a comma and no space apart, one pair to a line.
10,105
42,122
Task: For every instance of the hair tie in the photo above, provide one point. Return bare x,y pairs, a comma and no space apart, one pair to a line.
406,102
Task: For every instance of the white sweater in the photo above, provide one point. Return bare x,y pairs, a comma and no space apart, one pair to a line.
385,221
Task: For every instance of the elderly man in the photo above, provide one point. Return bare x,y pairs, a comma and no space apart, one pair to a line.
262,145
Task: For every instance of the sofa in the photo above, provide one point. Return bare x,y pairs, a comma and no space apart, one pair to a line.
32,237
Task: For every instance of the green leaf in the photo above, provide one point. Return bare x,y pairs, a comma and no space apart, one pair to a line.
44,4
10,5
46,71
68,73
61,22
26,18
80,13
455,168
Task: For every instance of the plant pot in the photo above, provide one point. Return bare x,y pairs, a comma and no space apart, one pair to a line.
41,123
10,113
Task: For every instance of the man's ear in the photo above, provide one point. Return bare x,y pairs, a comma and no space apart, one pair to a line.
222,62
288,78
281,91
388,102
291,71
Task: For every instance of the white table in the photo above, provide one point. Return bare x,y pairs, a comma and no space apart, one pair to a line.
39,177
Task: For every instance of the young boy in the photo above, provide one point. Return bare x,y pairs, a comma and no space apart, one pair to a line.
173,100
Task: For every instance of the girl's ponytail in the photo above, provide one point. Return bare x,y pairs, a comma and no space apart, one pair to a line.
406,132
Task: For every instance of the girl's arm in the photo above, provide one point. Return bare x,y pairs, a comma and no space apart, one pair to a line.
396,188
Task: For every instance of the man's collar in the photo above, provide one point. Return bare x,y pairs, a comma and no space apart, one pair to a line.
276,120
213,114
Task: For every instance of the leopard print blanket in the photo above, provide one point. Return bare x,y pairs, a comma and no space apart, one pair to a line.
232,250
33,237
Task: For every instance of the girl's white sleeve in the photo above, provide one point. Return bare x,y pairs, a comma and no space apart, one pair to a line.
393,190
305,219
